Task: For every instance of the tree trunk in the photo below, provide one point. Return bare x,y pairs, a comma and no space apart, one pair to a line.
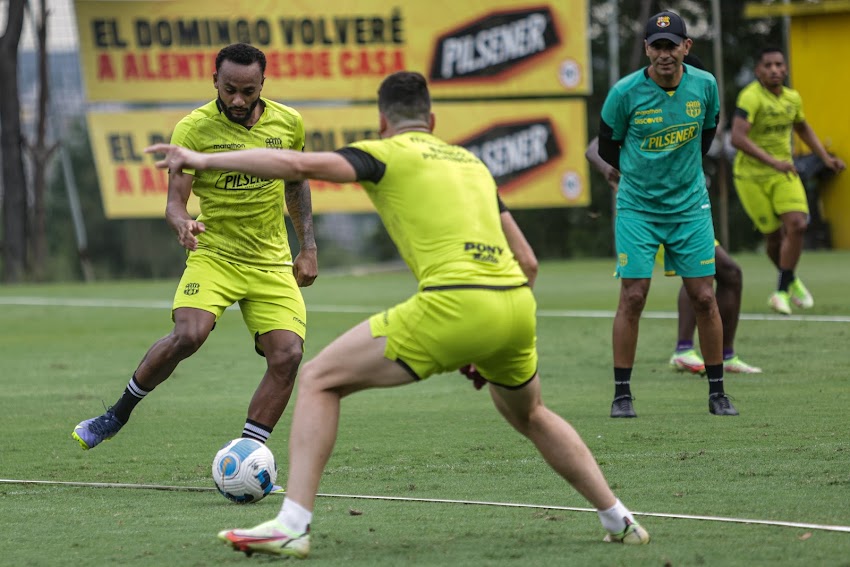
14,181
41,154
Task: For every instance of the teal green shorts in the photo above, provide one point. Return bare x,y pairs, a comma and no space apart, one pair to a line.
269,301
441,331
688,247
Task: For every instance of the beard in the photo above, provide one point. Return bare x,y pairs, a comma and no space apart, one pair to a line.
236,118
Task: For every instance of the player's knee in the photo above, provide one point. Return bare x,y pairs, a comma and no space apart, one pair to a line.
285,359
730,275
796,225
186,342
703,301
633,300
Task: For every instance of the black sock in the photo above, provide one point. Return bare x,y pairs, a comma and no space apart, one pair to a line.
622,382
133,394
785,279
715,378
256,431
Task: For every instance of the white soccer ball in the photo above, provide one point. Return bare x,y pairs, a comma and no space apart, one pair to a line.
244,471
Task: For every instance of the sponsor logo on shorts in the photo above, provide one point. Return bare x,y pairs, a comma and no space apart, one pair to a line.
512,150
484,252
494,44
192,288
299,321
706,262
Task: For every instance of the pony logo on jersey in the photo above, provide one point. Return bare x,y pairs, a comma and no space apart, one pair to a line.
693,108
512,150
493,44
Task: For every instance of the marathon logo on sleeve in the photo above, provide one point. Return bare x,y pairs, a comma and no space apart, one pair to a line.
493,44
511,150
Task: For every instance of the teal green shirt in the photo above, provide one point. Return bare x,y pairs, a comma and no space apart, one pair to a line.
660,134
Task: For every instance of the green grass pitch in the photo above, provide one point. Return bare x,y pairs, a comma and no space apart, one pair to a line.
67,349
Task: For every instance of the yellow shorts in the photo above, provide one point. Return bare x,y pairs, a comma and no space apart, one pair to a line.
765,198
441,331
269,301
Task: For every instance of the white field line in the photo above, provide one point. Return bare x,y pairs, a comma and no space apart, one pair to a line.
800,525
366,309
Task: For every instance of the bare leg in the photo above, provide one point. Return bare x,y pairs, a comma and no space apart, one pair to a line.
794,225
557,441
730,283
773,245
191,329
353,362
687,318
701,292
283,350
633,294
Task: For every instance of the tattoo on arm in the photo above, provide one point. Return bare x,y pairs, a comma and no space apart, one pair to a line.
300,207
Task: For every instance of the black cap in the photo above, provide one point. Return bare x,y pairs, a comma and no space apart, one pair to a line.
666,25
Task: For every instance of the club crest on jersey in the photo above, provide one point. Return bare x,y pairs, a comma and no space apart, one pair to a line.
663,21
693,108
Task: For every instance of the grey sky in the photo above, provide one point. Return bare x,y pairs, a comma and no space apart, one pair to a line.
62,25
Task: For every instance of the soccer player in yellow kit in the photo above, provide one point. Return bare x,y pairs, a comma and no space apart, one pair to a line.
238,249
473,306
765,177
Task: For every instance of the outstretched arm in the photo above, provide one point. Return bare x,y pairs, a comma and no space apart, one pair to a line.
266,163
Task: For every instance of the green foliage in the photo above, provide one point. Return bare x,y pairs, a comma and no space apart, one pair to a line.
783,459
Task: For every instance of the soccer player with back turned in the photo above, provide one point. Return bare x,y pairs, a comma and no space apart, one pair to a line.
473,306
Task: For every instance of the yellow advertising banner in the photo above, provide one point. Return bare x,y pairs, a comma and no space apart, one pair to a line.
164,50
535,152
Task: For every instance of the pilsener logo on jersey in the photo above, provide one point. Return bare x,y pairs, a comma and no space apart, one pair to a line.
512,150
235,181
493,44
670,138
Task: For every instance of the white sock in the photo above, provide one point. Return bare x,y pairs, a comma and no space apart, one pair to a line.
295,516
614,518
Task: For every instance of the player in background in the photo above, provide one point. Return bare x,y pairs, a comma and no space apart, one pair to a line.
473,306
765,177
238,250
728,276
656,124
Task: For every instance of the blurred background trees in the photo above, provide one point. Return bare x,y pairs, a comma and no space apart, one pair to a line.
78,242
